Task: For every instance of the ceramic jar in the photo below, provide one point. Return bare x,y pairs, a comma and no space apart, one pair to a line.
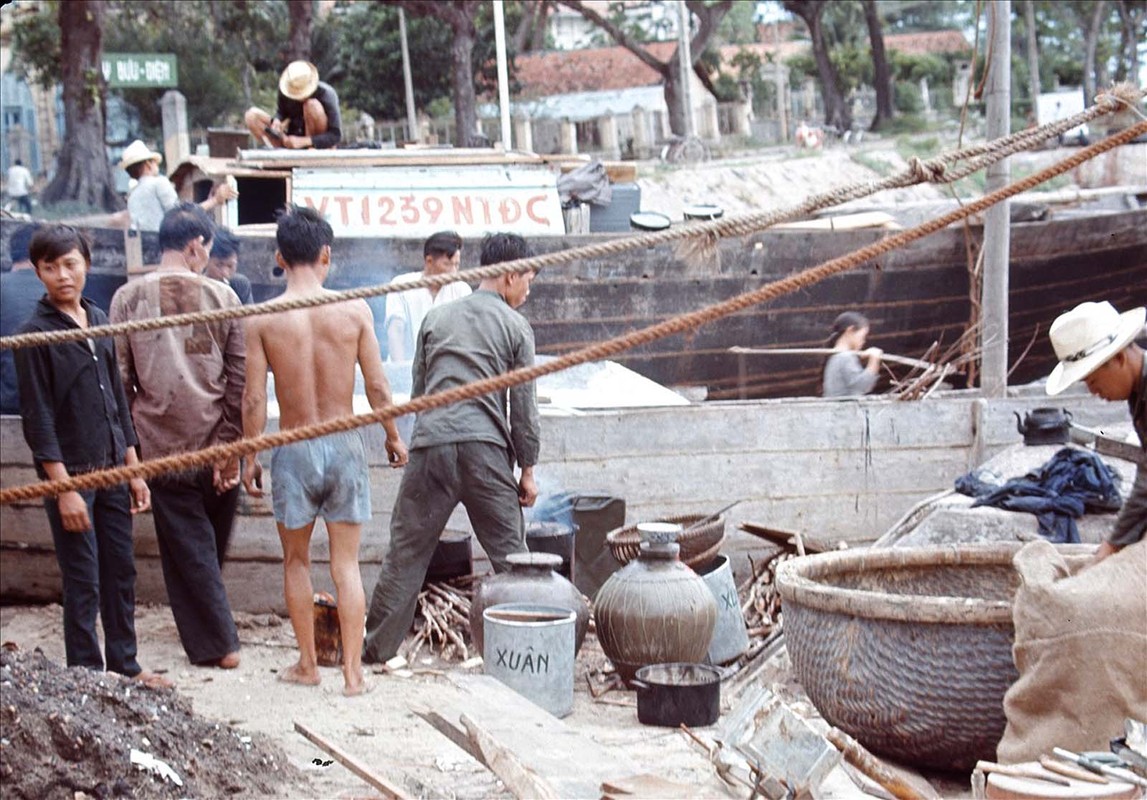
531,579
654,610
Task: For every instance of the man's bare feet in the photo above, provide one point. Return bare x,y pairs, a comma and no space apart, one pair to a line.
229,661
296,674
361,687
153,680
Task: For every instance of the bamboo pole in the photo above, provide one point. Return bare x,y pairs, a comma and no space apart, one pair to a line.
828,351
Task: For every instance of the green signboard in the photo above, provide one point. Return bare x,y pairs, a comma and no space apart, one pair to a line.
140,70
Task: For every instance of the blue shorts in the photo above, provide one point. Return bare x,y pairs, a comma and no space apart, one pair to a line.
326,477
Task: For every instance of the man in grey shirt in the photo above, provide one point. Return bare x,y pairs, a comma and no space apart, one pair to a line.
464,452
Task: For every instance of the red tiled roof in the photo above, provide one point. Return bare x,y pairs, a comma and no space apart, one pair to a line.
593,70
610,68
915,44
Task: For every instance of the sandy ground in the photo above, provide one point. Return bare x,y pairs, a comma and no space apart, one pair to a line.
378,728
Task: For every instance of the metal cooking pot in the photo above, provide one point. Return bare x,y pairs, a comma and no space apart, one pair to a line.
671,695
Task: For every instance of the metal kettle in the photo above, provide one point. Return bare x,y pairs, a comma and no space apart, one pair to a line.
1044,426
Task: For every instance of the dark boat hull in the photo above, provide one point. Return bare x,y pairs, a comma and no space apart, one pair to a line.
914,296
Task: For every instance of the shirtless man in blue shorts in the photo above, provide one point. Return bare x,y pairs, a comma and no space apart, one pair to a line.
312,353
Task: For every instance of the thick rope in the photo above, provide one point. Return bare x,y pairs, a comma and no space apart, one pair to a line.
605,349
706,233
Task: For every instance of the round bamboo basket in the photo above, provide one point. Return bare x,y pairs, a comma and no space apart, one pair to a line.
909,650
698,547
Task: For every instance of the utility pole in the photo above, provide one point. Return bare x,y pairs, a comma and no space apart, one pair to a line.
997,230
503,70
683,47
411,116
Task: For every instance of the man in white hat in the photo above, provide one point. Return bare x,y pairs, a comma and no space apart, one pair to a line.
154,195
307,115
1096,344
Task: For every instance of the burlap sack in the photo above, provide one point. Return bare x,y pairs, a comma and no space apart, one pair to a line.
1081,651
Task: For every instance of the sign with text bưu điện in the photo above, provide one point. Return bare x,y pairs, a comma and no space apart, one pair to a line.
140,70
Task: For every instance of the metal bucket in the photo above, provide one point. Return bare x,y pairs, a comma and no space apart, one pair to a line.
730,638
530,648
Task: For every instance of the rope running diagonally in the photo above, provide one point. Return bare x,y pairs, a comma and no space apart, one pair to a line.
596,352
936,169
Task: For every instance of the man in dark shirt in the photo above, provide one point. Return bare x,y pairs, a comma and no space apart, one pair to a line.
464,452
223,265
20,290
76,419
1096,344
307,115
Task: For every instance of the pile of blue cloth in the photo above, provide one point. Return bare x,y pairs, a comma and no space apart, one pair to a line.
1058,492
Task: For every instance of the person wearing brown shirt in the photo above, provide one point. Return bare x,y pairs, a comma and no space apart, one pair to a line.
185,387
312,353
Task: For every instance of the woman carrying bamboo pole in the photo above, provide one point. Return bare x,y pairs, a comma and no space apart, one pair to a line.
844,373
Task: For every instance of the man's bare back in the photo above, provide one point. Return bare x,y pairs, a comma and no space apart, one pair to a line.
312,354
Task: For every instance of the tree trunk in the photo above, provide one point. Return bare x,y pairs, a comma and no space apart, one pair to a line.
882,74
836,111
302,18
1131,16
459,15
674,95
709,19
531,32
1033,59
538,42
83,173
1091,44
465,104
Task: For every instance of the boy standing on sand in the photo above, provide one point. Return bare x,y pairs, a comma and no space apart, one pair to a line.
312,353
76,419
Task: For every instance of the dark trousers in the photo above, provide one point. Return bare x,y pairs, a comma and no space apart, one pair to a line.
480,475
98,568
193,526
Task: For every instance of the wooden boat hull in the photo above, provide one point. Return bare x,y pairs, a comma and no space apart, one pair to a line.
914,296
835,470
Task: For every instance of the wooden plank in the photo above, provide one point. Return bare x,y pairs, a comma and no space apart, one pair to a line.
451,732
523,782
387,788
649,786
573,764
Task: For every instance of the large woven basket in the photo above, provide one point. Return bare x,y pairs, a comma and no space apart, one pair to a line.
908,650
698,547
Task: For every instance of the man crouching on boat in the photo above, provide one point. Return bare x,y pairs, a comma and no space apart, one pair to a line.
312,353
1095,344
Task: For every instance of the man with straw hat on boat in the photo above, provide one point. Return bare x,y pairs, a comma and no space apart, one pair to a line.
1096,344
153,194
307,115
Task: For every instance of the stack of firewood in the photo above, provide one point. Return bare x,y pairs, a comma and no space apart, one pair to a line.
761,604
442,623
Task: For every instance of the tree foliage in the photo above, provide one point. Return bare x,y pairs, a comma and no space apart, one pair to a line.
229,52
709,16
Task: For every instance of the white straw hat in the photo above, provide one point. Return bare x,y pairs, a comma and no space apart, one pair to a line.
299,80
1086,337
136,152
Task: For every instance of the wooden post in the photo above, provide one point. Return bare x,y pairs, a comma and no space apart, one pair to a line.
176,142
503,74
414,132
686,59
997,231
